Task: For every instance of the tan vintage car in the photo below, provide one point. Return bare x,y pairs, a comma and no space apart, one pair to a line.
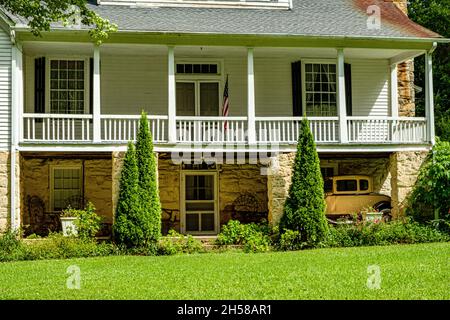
350,195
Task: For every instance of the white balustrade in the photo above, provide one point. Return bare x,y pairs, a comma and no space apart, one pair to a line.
212,129
287,129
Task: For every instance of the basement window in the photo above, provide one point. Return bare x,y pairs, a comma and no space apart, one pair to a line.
66,183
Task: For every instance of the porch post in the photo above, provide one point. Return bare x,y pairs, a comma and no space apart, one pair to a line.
96,110
172,105
16,131
429,97
341,102
394,91
251,97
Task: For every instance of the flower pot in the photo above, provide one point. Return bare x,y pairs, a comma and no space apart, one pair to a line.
68,226
374,216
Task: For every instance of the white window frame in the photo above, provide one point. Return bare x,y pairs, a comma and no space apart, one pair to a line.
197,84
48,60
54,167
313,61
213,173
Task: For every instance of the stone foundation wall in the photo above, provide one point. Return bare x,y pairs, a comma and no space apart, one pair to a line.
35,181
406,92
278,182
405,167
242,181
4,190
117,164
169,192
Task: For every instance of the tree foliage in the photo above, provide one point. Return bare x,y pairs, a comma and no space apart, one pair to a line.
41,14
432,190
304,209
148,182
435,15
126,228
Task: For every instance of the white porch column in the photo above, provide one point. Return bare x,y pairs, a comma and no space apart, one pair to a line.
251,126
394,90
429,97
96,109
341,103
172,105
16,131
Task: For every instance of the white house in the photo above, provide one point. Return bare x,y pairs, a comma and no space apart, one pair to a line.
68,107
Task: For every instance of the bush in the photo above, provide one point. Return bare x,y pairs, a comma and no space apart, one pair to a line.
176,243
290,241
372,234
88,222
150,222
126,229
11,248
56,246
253,237
432,190
304,209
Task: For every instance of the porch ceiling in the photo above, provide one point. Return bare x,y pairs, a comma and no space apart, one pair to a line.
46,48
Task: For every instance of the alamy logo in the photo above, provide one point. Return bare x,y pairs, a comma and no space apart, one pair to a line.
374,277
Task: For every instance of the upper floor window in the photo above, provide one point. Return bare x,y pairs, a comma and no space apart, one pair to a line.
67,86
320,90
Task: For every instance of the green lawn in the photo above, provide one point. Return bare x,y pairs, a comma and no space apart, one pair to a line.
407,272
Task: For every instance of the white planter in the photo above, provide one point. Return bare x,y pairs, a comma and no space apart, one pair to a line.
68,226
374,216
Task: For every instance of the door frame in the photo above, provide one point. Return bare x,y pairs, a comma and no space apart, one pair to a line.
213,173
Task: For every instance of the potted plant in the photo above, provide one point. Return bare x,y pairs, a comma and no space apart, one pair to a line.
372,215
68,217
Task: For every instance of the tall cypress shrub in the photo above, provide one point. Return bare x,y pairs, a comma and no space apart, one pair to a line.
148,184
304,209
126,228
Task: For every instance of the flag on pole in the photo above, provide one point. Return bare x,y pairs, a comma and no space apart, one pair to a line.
226,104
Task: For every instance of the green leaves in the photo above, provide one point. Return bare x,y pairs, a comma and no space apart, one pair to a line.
41,14
304,210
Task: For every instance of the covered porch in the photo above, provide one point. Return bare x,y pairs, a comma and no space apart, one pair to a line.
78,94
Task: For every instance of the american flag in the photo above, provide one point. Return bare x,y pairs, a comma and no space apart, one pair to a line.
226,104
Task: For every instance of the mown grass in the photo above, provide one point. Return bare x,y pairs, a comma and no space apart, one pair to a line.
407,272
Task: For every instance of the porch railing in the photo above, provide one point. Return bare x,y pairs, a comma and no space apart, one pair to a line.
57,127
118,129
286,130
212,129
123,128
387,130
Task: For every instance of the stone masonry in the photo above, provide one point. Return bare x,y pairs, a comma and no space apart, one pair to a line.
35,181
405,167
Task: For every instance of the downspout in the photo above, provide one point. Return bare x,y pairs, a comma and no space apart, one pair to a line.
433,151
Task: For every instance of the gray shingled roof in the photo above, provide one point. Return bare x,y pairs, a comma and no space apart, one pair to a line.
346,18
308,17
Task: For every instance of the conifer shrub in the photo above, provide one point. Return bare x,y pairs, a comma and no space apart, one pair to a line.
304,209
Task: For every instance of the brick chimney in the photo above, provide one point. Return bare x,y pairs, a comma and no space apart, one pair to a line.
406,92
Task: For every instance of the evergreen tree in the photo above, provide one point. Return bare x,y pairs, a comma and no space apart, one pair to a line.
304,209
126,230
148,184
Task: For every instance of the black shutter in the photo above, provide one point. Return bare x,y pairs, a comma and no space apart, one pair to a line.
39,85
91,85
297,101
348,88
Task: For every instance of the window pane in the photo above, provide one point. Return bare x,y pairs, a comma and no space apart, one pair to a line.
192,222
320,86
363,185
199,188
66,184
209,99
185,99
346,185
208,222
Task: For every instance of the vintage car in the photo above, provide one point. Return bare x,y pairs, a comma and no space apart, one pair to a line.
353,195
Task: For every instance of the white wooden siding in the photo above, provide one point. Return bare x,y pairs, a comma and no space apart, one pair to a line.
370,87
5,90
132,83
